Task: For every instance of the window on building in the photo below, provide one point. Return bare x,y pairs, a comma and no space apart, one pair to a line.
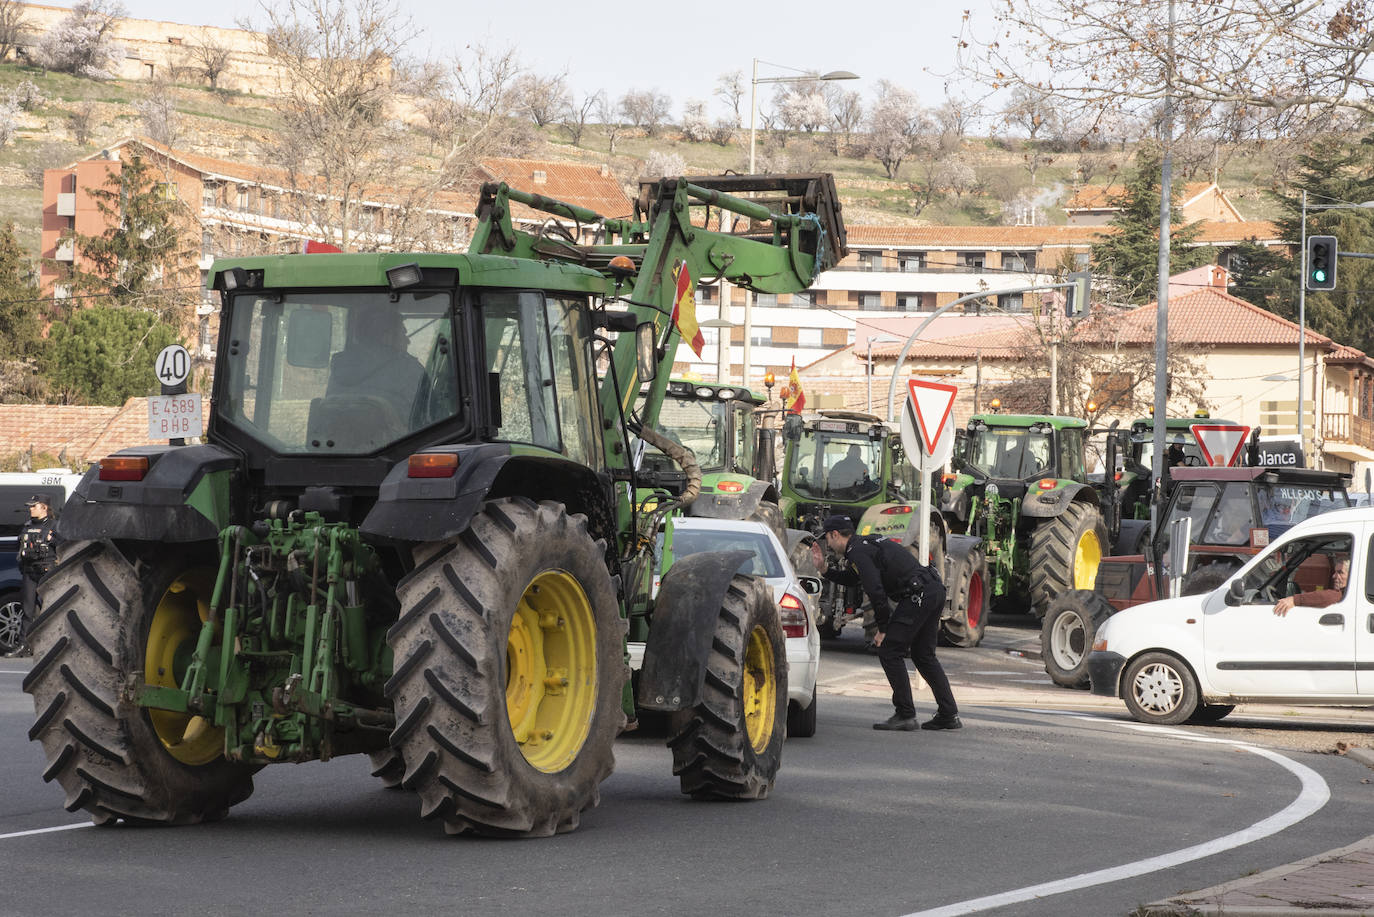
972,261
208,194
766,300
207,244
870,301
165,191
909,302
804,300
1081,260
809,337
913,262
241,200
1010,302
871,261
1018,261
760,337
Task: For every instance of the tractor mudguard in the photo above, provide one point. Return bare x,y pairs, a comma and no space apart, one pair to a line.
684,623
740,505
955,503
436,509
186,495
796,537
1053,502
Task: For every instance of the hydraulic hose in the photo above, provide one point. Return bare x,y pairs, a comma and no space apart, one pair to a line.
680,454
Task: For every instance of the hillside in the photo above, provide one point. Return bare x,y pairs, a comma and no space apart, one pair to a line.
78,117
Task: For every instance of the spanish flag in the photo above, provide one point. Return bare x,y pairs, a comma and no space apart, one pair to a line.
685,308
796,397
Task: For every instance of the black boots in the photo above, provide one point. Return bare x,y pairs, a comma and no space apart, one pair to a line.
940,721
897,723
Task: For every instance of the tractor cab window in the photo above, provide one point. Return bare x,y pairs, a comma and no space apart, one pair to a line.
577,406
1198,502
1010,452
1231,520
519,367
698,424
1071,455
745,437
844,466
1285,505
906,481
1180,448
1305,565
338,372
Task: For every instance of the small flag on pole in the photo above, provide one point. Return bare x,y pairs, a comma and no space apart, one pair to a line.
796,398
685,308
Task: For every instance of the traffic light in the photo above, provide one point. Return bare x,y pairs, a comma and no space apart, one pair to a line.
1076,301
1321,262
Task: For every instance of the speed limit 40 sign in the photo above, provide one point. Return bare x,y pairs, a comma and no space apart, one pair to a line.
173,365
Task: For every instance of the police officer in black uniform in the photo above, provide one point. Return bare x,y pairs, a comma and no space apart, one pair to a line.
888,572
37,552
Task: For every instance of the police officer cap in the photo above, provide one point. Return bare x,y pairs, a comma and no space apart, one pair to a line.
36,499
837,523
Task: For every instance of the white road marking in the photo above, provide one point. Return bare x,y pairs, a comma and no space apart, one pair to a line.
1314,794
84,824
994,672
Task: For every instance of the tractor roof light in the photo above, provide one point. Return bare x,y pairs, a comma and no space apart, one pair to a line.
432,465
621,267
705,392
402,276
726,394
123,467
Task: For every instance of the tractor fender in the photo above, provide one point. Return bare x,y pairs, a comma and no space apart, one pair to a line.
740,505
799,536
436,509
187,494
1053,502
955,503
685,615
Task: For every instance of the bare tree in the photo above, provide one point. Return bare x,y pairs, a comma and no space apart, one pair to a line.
575,117
1103,55
12,26
543,99
9,121
696,126
608,113
1031,110
846,114
480,84
957,175
955,117
27,95
209,56
897,127
730,90
82,42
158,112
646,109
81,119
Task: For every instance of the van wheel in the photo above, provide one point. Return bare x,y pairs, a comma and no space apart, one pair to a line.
1160,689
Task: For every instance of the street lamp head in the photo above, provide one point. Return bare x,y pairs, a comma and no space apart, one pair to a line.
846,75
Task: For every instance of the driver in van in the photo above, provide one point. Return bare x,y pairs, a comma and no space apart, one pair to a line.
1321,598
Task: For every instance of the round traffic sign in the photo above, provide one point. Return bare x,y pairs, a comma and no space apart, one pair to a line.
173,365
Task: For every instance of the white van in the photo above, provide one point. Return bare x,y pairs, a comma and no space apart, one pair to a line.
1196,657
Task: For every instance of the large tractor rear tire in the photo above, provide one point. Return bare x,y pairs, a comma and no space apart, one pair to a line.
729,745
1064,554
770,515
110,623
968,594
1066,636
509,672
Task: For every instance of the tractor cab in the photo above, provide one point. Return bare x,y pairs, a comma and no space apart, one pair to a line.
841,462
715,421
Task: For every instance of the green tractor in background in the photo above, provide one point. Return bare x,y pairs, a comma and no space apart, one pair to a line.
849,462
416,530
719,424
1021,497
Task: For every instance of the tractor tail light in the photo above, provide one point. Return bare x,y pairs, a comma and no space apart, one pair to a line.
948,478
794,622
1047,483
729,487
123,467
432,465
896,511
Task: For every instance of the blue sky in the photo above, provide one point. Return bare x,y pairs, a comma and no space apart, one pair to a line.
680,50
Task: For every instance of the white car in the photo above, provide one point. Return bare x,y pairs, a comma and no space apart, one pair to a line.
794,595
1198,656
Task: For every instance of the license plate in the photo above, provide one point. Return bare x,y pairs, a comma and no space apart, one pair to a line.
174,416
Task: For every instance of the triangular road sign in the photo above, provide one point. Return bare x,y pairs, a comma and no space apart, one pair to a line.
1220,443
932,402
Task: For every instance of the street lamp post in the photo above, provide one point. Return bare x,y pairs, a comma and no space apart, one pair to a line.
868,372
754,82
722,327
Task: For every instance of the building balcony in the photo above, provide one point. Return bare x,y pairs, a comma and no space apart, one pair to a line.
66,205
1349,436
65,251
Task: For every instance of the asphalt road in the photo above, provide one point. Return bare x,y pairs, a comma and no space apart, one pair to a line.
1044,785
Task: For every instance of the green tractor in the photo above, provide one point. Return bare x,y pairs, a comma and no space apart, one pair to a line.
1020,495
853,463
414,532
719,424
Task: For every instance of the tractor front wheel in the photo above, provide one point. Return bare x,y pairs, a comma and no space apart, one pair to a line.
509,672
1066,636
110,623
1064,554
729,745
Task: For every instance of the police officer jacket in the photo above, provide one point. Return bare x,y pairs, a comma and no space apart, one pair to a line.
882,566
37,547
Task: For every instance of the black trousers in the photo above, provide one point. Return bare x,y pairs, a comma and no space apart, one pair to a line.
912,631
29,597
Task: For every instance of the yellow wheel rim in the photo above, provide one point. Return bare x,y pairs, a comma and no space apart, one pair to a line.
551,671
760,689
1086,557
171,641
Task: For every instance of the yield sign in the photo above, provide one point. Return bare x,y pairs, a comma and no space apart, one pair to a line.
932,403
1220,443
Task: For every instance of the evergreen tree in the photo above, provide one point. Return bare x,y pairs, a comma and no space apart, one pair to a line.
20,329
1130,257
1333,170
104,354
